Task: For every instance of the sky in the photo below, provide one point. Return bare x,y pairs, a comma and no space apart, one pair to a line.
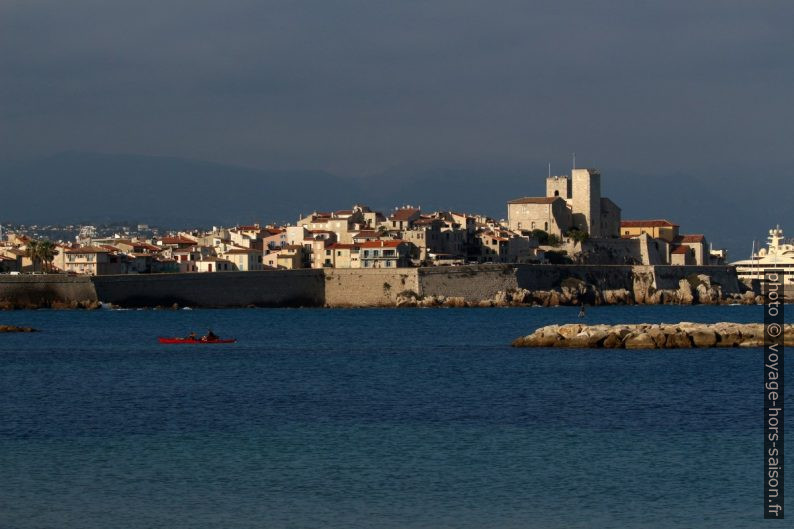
362,87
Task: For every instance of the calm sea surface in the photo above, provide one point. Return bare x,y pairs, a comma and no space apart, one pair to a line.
374,418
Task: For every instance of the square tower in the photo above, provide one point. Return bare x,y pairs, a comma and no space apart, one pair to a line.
586,200
558,186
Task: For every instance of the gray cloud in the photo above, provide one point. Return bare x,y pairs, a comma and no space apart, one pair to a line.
358,86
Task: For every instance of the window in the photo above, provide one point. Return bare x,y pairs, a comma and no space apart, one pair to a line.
546,226
388,263
328,252
339,252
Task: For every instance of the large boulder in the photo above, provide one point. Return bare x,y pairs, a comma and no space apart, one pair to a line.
570,330
678,340
581,340
685,295
703,338
639,340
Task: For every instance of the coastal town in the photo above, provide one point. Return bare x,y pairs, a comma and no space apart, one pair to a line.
572,224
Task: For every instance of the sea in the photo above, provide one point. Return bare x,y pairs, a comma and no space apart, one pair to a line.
375,418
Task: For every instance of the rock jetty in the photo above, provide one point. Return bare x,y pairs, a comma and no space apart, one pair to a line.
651,336
14,328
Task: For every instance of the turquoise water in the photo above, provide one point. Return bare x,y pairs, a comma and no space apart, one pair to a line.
373,418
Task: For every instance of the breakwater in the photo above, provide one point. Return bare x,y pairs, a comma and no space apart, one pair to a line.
477,285
651,336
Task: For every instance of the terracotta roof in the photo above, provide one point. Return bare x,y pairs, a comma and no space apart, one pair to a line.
187,249
274,231
534,200
654,223
425,222
404,213
87,249
381,244
147,246
691,238
367,233
681,250
342,246
255,227
240,251
177,240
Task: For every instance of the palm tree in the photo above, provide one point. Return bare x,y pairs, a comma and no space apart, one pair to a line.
47,252
43,252
32,252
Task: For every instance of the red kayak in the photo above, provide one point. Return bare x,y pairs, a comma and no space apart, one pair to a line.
195,340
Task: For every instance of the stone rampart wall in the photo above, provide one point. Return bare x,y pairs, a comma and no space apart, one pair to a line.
349,287
366,288
271,288
45,290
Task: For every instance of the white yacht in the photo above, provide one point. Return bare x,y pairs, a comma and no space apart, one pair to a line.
779,254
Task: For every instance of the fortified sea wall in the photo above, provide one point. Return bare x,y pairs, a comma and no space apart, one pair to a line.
353,287
31,291
272,288
466,285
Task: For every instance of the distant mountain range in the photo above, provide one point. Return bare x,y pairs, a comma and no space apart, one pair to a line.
88,187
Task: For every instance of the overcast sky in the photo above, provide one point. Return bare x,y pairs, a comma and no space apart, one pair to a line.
360,86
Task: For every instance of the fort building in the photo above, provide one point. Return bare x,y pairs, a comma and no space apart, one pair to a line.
573,201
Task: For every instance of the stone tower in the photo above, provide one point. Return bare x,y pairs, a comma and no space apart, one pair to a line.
558,186
586,200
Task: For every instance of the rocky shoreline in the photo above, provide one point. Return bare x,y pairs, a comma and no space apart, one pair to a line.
14,328
694,290
493,286
682,335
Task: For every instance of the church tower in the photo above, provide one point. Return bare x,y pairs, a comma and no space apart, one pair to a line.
558,186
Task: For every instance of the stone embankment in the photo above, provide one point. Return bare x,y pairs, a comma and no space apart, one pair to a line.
693,290
651,336
486,285
14,328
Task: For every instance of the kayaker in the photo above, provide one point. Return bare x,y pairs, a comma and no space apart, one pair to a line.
581,311
209,337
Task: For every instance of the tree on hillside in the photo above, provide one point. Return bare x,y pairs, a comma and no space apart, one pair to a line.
578,235
541,236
